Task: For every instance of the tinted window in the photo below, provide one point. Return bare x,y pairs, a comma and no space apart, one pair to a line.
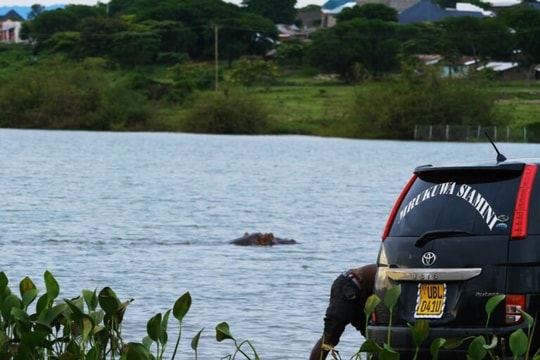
477,201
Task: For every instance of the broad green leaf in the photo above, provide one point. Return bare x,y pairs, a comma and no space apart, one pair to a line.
371,303
153,327
195,340
528,318
476,348
491,305
42,327
122,309
53,289
391,297
75,312
91,300
11,301
420,331
93,354
223,332
87,327
42,303
28,297
25,285
493,344
453,343
21,316
50,315
34,339
147,342
79,302
137,351
518,343
3,282
181,306
435,347
164,337
388,354
108,301
97,316
370,346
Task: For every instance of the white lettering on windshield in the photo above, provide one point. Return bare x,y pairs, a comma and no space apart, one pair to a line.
480,203
465,192
433,191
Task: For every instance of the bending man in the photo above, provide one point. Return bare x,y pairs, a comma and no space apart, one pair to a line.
348,296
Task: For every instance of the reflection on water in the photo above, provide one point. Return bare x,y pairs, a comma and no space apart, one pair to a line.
151,214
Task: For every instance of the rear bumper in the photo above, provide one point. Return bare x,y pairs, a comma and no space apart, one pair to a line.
401,340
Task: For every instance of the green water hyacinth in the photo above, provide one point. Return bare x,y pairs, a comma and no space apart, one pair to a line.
482,346
87,327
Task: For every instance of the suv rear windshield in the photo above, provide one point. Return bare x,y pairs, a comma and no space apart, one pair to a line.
476,201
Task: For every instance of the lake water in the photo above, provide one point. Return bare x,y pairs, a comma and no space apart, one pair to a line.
151,215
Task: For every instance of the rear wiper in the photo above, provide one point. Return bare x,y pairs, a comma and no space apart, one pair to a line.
435,234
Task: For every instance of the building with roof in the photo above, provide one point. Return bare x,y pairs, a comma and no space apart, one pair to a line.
425,10
10,27
333,7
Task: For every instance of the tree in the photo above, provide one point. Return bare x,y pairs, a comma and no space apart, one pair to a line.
36,9
68,19
199,16
524,22
420,38
371,43
96,38
247,34
368,11
479,37
48,23
279,11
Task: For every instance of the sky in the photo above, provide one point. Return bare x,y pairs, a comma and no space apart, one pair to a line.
299,3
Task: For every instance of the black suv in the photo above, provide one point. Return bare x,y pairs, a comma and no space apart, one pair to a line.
457,236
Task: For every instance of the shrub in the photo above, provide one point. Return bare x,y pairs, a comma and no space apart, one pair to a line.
250,72
392,109
87,327
227,113
74,98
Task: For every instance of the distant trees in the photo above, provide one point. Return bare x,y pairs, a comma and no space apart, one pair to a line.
371,43
140,32
524,21
368,37
36,9
368,11
279,11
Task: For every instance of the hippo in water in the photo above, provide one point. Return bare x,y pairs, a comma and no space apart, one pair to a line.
260,239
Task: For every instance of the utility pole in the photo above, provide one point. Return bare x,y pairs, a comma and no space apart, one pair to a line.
216,57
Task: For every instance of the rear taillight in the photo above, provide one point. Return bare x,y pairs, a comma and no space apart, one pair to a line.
521,211
514,304
374,320
397,204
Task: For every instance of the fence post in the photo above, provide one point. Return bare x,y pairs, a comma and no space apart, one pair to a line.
447,132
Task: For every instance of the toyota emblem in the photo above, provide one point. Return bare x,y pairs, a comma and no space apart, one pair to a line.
429,258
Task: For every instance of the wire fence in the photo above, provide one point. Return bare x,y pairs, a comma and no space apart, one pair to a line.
472,133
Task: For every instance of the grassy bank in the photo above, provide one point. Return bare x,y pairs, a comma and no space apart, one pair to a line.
306,105
49,92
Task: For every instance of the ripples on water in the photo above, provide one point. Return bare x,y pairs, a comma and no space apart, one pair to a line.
150,215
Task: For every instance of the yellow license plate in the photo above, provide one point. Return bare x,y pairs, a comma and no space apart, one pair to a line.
430,301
